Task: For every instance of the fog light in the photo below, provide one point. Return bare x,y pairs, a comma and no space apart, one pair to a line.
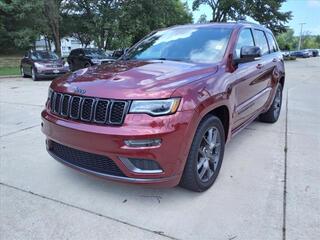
141,165
143,143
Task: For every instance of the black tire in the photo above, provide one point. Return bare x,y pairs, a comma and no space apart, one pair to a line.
34,75
272,115
190,178
22,72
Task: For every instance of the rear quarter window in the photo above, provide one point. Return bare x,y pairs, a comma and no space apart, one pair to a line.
272,43
261,41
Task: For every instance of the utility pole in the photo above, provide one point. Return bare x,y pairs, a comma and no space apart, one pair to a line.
301,24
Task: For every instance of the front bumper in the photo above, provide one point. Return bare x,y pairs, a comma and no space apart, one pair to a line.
51,73
171,154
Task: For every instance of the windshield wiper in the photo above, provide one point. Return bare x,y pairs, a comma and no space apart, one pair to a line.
169,59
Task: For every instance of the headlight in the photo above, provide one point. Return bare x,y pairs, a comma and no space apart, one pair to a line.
155,107
66,64
38,65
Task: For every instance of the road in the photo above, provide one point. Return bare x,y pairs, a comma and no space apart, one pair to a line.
268,187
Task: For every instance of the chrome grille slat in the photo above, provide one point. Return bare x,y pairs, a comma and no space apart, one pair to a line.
65,105
100,114
75,107
57,104
89,109
120,109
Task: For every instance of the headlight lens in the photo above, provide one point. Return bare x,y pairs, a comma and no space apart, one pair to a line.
155,107
38,65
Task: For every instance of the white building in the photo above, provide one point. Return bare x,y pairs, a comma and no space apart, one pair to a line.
67,44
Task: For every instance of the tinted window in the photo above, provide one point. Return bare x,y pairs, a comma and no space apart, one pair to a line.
204,45
95,53
261,41
272,43
245,39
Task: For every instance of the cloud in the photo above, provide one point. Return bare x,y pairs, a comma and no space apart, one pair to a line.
313,3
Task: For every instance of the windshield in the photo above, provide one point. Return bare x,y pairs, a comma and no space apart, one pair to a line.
44,56
203,45
96,53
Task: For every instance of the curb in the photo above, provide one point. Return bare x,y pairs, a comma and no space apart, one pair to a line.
10,76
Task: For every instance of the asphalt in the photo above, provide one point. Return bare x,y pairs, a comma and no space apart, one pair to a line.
268,187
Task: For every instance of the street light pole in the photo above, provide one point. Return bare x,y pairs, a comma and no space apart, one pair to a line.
300,35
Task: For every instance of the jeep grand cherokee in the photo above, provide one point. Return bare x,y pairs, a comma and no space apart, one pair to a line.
163,112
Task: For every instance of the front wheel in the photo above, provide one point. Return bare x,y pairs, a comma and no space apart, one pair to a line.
272,115
205,156
34,74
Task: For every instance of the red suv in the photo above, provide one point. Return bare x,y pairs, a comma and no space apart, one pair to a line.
163,112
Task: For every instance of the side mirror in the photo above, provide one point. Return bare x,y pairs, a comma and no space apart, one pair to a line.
248,54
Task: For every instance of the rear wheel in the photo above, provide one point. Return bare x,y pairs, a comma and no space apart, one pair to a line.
272,115
22,72
205,156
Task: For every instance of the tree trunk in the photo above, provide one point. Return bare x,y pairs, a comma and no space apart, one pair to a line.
51,12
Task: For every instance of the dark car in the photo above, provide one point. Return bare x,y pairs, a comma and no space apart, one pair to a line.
315,52
42,64
301,54
86,57
163,113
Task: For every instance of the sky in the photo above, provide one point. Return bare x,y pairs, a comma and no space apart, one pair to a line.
303,11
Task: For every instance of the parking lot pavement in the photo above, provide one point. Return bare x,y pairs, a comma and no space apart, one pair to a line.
41,199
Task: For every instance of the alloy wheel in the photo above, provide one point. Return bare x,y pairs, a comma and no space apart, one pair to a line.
209,154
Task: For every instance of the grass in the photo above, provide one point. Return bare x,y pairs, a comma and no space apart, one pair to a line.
9,65
7,71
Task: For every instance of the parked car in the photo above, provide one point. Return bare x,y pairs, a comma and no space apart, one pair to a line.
287,55
86,57
301,54
42,64
163,112
314,52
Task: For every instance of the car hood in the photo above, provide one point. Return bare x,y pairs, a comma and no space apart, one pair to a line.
133,79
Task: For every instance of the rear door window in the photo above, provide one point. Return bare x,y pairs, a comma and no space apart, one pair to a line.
261,41
245,39
272,43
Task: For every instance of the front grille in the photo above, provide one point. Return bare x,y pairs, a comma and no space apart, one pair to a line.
89,161
88,109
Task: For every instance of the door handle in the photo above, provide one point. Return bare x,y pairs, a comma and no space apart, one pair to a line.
259,66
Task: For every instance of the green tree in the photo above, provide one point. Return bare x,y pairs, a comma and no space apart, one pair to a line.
203,19
51,12
286,40
140,17
20,23
266,12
